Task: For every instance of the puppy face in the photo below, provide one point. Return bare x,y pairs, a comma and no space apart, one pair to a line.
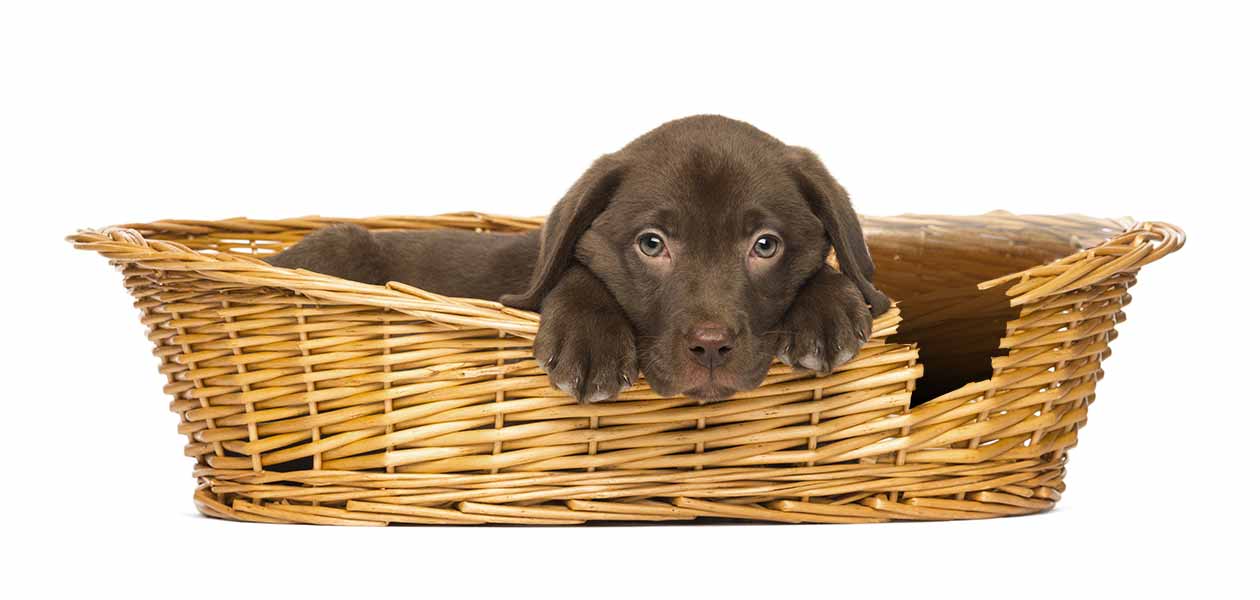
703,231
704,249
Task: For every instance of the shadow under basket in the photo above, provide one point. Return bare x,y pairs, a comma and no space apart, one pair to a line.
311,399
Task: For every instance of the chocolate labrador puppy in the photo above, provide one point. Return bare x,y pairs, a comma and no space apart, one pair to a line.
695,254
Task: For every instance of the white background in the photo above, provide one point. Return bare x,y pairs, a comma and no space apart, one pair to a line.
124,112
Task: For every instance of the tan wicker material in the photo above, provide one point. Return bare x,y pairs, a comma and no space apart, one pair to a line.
311,399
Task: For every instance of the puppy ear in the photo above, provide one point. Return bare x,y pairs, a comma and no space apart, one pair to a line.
569,219
830,204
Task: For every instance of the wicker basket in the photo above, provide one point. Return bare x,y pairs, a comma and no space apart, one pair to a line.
311,399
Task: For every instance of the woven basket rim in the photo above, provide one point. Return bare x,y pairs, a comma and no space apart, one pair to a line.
1135,245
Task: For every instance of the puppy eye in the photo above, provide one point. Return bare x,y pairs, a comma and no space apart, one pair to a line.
651,244
766,246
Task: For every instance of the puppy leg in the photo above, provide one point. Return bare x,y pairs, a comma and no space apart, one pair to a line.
826,324
585,343
344,250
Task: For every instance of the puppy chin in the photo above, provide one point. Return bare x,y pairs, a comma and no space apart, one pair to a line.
705,391
694,381
710,391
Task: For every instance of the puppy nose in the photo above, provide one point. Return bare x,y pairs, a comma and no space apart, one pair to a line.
709,344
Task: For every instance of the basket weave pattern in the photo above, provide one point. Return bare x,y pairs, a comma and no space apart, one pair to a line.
310,399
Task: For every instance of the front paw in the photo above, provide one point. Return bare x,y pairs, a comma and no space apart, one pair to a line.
590,357
826,325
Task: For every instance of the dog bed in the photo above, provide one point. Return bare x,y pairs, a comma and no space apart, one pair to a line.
310,399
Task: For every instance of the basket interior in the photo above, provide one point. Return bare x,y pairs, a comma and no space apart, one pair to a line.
932,268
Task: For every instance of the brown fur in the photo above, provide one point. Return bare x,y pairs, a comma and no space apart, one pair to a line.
706,320
450,262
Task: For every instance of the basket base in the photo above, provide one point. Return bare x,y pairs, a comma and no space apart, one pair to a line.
852,493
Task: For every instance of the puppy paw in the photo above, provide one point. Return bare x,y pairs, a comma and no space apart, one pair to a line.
826,325
590,357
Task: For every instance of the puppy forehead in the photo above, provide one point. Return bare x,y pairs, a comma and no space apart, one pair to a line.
699,197
699,217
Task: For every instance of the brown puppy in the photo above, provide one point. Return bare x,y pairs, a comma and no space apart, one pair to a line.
696,254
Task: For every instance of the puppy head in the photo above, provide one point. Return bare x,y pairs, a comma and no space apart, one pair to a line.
703,230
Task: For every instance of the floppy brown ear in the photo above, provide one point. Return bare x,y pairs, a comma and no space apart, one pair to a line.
570,218
830,204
